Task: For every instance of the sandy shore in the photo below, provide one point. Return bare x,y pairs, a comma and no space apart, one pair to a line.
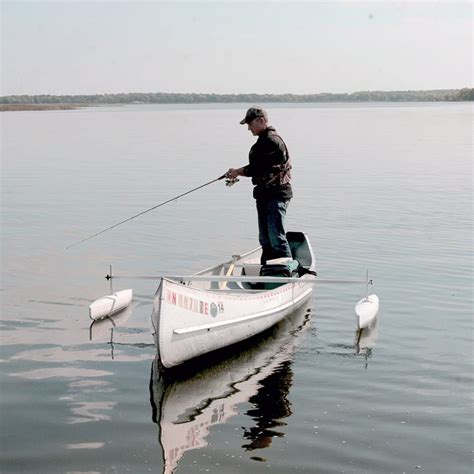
22,107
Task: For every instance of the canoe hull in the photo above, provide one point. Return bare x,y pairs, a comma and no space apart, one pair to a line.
190,322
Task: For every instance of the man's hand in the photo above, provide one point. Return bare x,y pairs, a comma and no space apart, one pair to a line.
234,172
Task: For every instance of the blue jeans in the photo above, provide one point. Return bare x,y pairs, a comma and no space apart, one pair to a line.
271,229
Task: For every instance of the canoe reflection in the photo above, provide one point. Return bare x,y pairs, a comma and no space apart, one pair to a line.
188,400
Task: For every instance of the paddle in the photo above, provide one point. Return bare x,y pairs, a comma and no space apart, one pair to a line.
223,284
229,183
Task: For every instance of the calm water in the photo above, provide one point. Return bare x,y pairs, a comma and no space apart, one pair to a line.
384,187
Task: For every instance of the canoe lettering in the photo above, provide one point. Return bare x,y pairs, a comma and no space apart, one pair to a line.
192,304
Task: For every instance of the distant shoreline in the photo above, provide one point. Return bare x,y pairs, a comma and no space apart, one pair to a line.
67,102
29,107
42,103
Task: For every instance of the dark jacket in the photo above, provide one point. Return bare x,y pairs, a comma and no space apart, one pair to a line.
269,167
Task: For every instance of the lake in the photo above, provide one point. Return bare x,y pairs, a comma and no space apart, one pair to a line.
383,187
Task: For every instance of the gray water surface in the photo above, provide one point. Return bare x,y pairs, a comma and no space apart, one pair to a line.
383,187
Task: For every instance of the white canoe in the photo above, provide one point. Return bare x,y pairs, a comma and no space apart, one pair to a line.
201,316
366,309
110,304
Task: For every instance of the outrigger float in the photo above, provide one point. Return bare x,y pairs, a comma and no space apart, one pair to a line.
235,300
109,305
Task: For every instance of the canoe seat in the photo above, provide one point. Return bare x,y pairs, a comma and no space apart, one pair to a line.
251,269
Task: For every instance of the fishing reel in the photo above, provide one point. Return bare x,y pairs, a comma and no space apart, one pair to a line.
230,182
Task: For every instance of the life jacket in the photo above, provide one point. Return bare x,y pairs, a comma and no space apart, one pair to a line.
280,174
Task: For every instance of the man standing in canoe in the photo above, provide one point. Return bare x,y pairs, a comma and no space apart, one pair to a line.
269,167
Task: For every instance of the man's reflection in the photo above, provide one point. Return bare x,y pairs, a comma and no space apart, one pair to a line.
271,406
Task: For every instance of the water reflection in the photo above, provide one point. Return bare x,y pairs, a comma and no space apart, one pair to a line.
88,387
99,329
271,407
103,331
188,401
365,339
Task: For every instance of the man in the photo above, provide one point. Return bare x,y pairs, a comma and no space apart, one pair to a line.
269,167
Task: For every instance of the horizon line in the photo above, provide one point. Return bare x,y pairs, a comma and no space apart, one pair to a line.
236,94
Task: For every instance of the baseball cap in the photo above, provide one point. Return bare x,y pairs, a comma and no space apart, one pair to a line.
253,113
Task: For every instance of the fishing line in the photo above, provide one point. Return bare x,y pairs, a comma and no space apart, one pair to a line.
148,210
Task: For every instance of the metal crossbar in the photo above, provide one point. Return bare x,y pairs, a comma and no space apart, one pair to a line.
246,278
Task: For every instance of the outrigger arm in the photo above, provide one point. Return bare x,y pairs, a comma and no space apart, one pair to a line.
247,278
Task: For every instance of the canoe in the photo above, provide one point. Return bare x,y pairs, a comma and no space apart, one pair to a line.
109,305
221,306
366,309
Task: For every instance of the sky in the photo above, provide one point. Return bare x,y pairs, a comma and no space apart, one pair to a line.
224,47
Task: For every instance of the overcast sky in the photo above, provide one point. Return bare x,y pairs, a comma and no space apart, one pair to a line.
79,47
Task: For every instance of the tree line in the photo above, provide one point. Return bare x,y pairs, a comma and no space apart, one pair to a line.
465,94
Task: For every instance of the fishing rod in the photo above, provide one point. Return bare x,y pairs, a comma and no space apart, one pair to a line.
229,182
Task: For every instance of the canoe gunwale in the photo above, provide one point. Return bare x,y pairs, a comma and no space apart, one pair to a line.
303,280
